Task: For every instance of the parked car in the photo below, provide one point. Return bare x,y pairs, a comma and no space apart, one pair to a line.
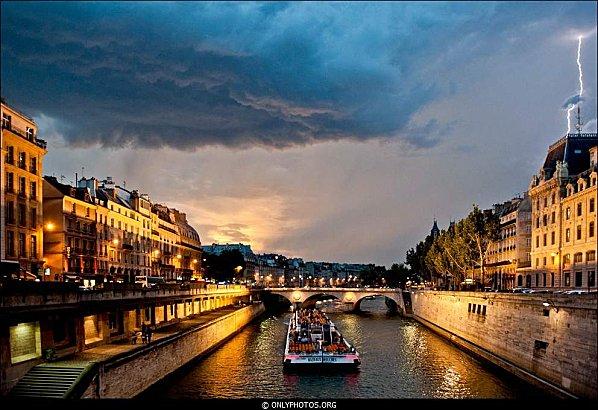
576,292
521,290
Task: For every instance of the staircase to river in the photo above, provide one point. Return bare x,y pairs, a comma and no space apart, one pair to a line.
54,380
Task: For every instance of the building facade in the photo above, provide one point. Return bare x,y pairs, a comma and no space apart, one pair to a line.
21,213
563,217
512,251
70,231
99,231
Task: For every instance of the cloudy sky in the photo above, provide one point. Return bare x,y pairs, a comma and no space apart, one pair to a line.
329,131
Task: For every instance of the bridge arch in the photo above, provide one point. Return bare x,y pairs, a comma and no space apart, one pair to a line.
393,303
349,296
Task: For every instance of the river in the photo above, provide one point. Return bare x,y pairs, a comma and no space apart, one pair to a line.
400,359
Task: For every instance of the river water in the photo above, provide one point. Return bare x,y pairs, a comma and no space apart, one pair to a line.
400,359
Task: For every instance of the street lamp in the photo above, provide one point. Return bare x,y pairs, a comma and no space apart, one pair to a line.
50,226
115,241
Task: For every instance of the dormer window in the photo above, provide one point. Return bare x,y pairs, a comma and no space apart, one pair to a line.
29,133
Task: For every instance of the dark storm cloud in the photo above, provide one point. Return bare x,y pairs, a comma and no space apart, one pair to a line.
245,74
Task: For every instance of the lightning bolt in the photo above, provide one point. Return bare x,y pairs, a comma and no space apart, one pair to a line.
580,84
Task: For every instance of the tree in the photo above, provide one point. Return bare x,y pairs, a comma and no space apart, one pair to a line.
416,258
397,275
482,228
372,275
224,267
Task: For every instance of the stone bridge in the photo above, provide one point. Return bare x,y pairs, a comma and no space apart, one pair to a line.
350,297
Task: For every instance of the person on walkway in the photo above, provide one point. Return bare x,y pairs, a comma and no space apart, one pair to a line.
149,334
144,329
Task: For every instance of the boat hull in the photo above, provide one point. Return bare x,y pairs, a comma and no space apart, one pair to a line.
345,362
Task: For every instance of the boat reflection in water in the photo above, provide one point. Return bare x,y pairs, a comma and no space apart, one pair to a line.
314,342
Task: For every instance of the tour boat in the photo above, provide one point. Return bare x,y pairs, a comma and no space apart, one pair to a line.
313,341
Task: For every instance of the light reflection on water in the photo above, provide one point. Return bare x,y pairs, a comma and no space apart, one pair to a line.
400,359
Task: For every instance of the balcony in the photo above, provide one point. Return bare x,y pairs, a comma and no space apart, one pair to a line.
524,264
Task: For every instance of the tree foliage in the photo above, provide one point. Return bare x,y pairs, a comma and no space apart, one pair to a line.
455,254
224,267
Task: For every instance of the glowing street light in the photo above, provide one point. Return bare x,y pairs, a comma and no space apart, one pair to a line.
115,241
50,226
179,256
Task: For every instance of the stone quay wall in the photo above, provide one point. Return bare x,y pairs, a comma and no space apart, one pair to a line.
127,377
546,339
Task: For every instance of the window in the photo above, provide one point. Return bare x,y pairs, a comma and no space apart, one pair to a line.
22,215
9,182
544,279
552,238
577,258
22,160
22,246
552,217
579,209
33,247
87,212
33,190
6,121
591,278
33,217
22,186
567,278
29,132
10,155
545,202
591,229
544,240
544,220
10,243
591,207
10,212
568,213
552,200
537,261
33,165
578,276
540,348
590,256
578,235
544,261
566,259
537,241
567,235
538,205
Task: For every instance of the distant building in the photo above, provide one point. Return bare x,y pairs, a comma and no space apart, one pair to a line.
511,252
435,232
